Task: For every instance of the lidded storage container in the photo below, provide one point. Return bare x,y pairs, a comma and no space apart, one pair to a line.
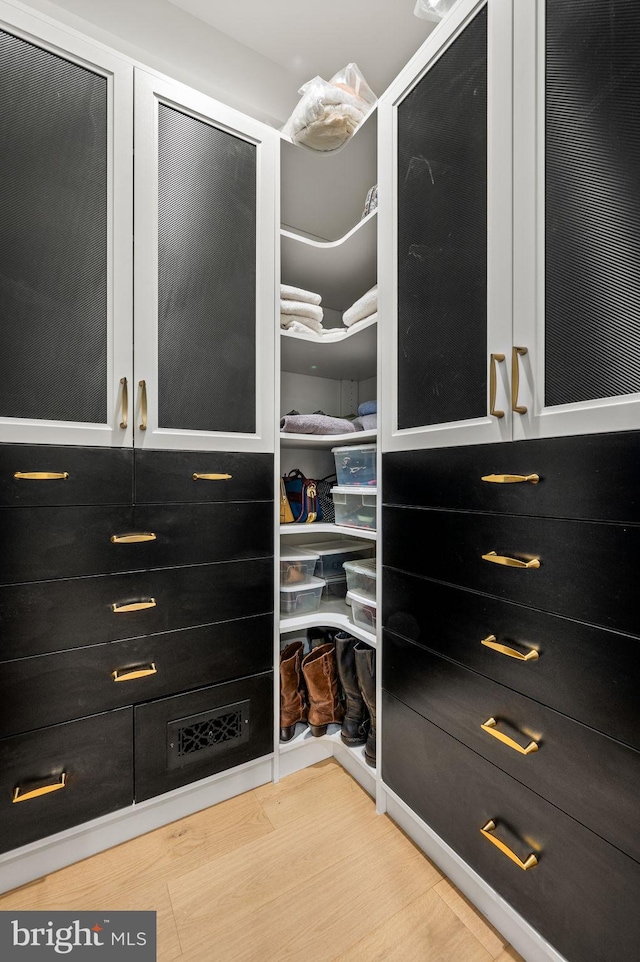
361,577
355,506
302,598
356,464
363,610
333,554
296,566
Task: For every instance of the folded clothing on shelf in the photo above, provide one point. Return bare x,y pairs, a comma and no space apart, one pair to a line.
367,422
300,325
365,306
301,309
367,407
317,424
289,293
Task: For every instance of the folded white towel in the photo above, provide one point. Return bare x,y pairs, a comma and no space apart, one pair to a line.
363,307
300,309
288,293
292,322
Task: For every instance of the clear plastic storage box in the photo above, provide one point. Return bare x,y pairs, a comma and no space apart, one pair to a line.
296,566
356,465
333,554
355,506
301,599
363,610
361,577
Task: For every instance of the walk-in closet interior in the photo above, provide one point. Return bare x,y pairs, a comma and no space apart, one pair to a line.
319,432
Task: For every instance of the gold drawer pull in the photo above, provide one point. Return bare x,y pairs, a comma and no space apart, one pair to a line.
41,475
20,796
515,378
487,831
493,385
135,606
499,559
143,405
490,728
132,538
125,402
130,674
511,478
212,477
492,642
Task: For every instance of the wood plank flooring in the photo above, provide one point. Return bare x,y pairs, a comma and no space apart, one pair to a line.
300,870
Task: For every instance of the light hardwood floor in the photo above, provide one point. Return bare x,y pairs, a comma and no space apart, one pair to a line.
300,870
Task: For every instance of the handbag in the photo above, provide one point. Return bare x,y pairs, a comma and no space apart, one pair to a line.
302,495
327,508
286,514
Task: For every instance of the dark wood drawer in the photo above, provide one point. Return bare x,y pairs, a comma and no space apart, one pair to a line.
584,568
582,895
49,689
95,756
95,475
169,476
588,775
182,739
589,673
592,477
55,615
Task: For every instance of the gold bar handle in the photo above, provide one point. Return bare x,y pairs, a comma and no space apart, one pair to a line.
130,674
212,477
143,405
515,378
488,829
22,796
132,538
125,402
135,606
493,385
511,478
491,642
499,559
41,475
490,728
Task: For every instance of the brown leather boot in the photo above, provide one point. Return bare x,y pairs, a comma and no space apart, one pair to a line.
293,700
321,676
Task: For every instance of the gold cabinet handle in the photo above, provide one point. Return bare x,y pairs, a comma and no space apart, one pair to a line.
212,477
22,796
488,830
41,475
143,405
515,378
132,538
491,642
130,674
135,606
490,728
499,559
125,402
493,385
511,478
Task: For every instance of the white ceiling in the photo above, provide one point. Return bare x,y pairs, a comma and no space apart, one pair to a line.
311,37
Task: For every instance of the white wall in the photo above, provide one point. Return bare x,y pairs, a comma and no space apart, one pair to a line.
166,38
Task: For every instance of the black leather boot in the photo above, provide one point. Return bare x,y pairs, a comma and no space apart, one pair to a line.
356,723
366,673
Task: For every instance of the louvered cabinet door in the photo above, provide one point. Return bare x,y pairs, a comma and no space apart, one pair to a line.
205,272
65,238
577,215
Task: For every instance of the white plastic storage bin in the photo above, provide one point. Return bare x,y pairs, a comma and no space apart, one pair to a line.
355,506
361,577
363,610
296,566
333,554
301,599
356,465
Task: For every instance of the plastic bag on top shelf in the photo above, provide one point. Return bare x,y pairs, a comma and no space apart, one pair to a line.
328,113
433,9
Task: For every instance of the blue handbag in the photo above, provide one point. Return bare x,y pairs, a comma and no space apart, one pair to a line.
302,494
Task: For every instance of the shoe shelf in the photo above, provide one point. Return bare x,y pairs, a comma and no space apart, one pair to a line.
343,354
323,528
332,614
348,755
327,441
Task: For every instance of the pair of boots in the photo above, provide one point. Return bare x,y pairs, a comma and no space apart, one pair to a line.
309,691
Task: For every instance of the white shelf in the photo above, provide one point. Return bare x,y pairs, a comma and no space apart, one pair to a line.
333,529
333,614
340,271
303,736
326,441
346,354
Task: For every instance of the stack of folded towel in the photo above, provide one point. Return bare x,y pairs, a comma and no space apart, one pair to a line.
365,307
300,310
367,419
